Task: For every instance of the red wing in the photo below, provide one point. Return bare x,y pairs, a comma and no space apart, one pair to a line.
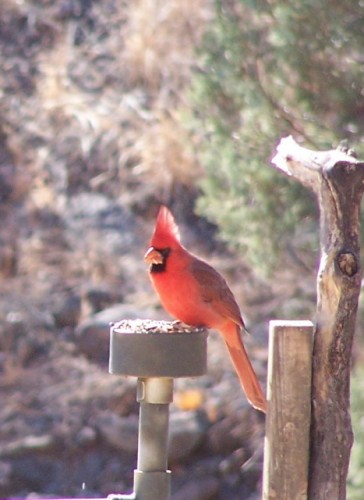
215,290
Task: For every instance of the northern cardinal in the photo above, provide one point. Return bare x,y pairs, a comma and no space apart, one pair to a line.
194,293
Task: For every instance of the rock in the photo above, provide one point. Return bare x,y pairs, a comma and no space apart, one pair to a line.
67,310
120,433
204,488
88,211
16,342
95,300
28,444
92,335
233,463
5,475
86,436
230,433
186,430
8,257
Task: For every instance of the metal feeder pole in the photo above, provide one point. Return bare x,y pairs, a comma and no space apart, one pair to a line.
156,358
151,477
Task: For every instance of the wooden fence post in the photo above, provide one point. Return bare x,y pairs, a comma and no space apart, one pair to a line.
337,179
286,446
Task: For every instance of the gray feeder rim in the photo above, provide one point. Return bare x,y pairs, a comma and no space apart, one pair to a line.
146,348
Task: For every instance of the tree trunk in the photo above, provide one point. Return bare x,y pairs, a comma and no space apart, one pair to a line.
338,181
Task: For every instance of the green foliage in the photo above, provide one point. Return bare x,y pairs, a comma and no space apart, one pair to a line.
356,470
269,69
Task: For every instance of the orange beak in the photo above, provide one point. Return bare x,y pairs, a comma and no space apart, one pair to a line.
152,256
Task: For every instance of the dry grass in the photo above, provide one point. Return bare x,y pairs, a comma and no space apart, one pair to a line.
159,54
160,41
104,116
165,157
134,115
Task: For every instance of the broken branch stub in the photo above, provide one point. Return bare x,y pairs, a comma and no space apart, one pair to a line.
338,181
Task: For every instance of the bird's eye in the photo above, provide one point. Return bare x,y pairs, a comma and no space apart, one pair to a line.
164,252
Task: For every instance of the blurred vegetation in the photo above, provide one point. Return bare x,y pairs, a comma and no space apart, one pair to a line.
268,69
356,470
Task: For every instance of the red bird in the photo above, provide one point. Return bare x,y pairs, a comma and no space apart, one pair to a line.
193,292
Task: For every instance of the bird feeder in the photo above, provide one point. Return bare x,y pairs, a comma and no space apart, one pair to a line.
156,352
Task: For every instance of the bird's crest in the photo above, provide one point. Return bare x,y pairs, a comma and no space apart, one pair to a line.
166,231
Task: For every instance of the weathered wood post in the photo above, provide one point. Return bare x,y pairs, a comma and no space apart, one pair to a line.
338,181
286,444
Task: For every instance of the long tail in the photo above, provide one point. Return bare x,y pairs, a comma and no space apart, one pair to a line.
243,367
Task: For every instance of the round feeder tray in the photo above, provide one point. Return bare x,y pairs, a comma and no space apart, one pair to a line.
157,349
